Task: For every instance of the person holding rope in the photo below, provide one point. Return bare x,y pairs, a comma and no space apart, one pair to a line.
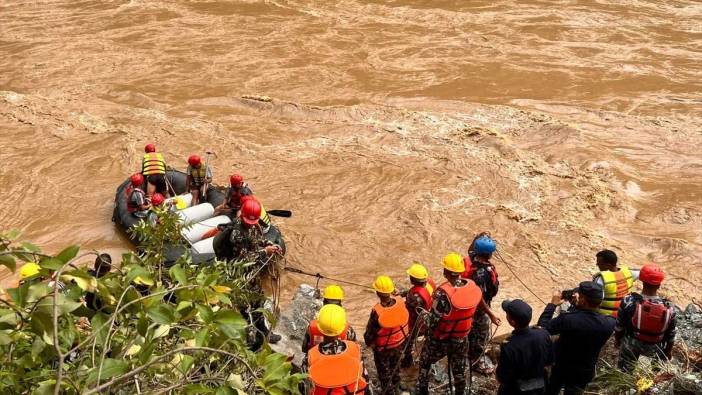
449,323
386,333
483,273
417,299
335,366
524,356
333,294
199,177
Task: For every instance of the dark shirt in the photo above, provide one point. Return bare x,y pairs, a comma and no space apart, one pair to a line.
232,193
413,302
626,314
485,277
373,326
583,333
522,357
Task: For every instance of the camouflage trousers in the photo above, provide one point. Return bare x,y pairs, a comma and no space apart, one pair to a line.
479,335
387,365
631,349
432,352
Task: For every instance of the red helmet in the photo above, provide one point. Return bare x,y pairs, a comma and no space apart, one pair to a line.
157,199
137,179
194,160
651,274
251,211
150,148
236,179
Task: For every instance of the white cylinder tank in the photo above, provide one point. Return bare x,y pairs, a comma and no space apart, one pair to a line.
197,213
196,231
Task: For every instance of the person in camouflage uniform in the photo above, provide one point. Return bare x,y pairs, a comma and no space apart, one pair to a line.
448,325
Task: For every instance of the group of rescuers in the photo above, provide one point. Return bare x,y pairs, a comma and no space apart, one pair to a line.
455,318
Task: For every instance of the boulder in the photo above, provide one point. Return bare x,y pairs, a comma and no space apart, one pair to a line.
293,321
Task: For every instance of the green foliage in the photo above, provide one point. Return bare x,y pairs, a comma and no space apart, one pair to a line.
157,329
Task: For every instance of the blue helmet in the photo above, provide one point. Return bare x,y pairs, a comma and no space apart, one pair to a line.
484,245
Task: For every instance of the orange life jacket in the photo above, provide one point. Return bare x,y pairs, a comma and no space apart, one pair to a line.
424,291
316,336
464,302
394,327
338,374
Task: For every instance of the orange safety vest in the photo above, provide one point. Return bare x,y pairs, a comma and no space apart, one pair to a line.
394,327
316,336
338,374
616,285
153,163
464,302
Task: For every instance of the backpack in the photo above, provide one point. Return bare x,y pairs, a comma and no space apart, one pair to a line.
651,320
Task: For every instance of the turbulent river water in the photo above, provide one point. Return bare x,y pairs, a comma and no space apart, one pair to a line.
394,130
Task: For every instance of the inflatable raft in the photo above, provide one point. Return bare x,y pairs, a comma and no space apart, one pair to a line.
201,218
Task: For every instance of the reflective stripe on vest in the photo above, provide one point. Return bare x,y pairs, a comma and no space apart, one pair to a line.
153,163
616,286
394,327
651,320
198,176
316,336
464,301
338,374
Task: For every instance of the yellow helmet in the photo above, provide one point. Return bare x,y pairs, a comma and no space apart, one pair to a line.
29,269
331,320
453,262
334,292
383,284
418,271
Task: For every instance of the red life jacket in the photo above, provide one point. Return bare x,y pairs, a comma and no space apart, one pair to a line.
651,320
234,198
394,327
131,207
464,302
316,336
338,374
424,291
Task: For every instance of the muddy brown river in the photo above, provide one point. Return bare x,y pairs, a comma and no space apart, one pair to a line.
394,130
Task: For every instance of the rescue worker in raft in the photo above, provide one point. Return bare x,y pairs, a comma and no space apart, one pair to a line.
333,294
198,179
243,239
449,323
138,204
417,299
483,273
237,189
156,201
617,282
646,322
335,366
386,333
153,167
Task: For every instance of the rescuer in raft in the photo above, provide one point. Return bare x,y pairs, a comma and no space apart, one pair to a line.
236,191
335,366
617,282
138,203
198,179
417,299
386,333
449,323
646,322
243,239
153,167
333,294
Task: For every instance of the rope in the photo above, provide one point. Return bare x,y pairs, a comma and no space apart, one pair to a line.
497,253
320,276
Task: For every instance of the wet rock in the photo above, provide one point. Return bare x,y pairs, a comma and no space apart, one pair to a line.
293,321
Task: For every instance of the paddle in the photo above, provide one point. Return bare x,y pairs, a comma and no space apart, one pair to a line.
280,213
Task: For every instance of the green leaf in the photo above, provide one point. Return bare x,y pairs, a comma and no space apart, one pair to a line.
178,273
43,326
51,264
110,368
37,291
205,313
19,294
83,279
30,247
5,339
12,234
65,305
68,254
8,319
161,314
143,275
277,367
231,323
186,362
161,331
225,390
38,346
45,388
8,261
142,325
196,389
98,323
202,337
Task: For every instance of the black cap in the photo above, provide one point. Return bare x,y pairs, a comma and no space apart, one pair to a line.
591,291
519,310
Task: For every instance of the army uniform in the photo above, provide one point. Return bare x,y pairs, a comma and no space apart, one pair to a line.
485,277
387,349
